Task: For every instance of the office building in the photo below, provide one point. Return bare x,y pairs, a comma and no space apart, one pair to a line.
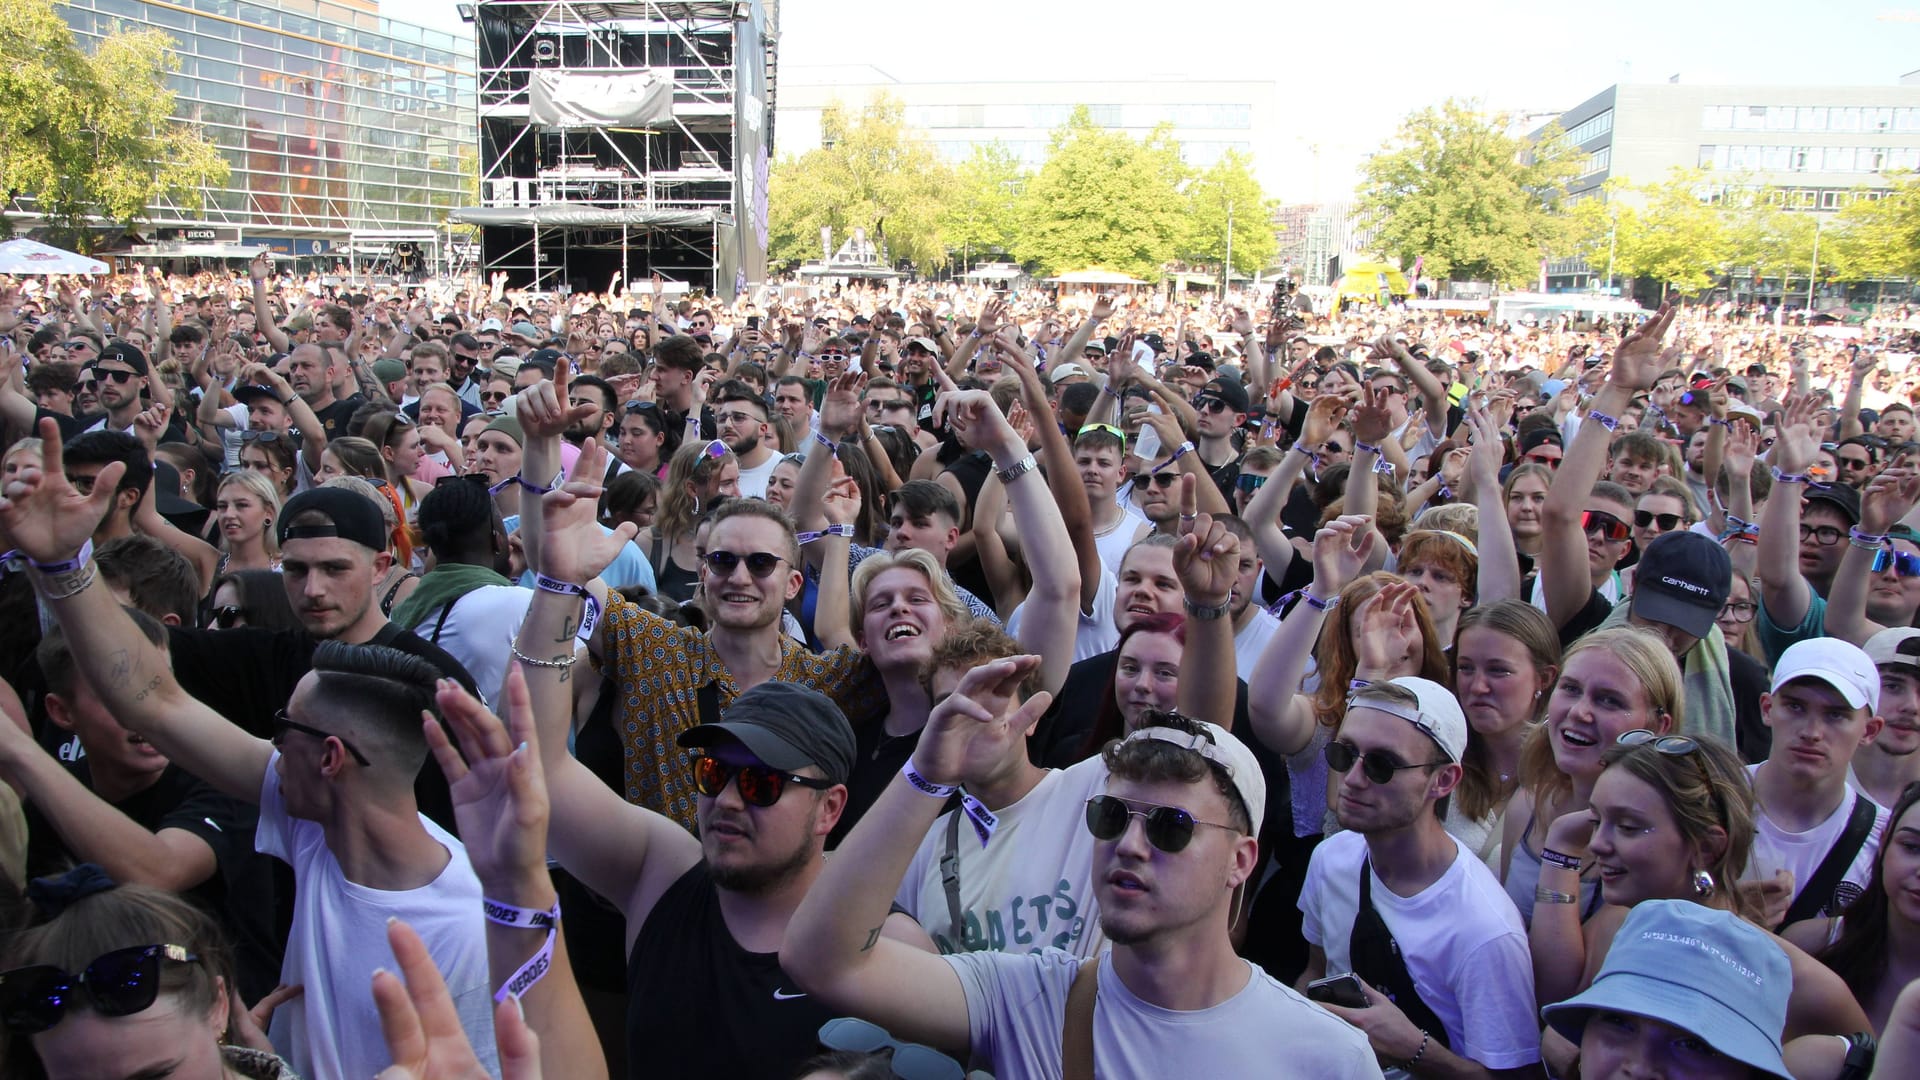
342,127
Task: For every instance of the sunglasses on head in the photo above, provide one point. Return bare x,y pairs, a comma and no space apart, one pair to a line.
256,435
1108,428
643,406
282,723
1697,399
1169,828
1647,519
907,1061
1610,527
1670,745
1904,563
119,983
716,449
759,563
1161,480
1377,766
759,785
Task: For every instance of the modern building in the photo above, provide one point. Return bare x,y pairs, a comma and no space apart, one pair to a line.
1312,237
1821,147
1209,118
343,128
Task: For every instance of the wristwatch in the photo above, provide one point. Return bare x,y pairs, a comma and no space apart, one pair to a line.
1017,470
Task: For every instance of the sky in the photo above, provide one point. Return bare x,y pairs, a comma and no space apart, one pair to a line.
1347,72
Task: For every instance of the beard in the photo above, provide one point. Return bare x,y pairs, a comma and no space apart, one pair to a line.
764,877
747,444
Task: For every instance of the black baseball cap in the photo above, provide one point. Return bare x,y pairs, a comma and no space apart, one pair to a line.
1840,496
248,393
350,516
1540,436
126,354
1682,580
787,726
1227,390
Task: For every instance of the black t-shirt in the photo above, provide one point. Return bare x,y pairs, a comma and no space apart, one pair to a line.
878,757
699,1005
1058,740
333,418
240,894
69,425
247,674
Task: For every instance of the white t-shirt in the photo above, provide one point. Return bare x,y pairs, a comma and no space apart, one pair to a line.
1250,642
1461,937
1112,545
1030,887
1017,1007
480,631
339,937
1802,853
1096,633
753,482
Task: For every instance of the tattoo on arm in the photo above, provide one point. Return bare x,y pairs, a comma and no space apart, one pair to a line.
569,626
873,938
119,668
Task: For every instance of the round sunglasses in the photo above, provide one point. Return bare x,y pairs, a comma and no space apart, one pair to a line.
1169,828
1377,766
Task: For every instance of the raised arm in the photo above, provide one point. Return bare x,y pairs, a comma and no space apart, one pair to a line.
1281,715
1743,446
1372,424
840,415
835,948
1499,574
833,604
1784,593
1862,365
1207,558
259,270
313,434
1432,393
1056,461
1886,499
50,523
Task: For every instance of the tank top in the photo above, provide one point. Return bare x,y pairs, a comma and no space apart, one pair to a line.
699,1005
669,579
1523,876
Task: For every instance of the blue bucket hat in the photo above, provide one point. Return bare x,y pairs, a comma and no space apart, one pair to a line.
1710,972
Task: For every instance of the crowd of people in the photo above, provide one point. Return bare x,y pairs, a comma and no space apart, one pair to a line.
457,681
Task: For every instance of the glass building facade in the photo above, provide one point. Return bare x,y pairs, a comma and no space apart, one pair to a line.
333,119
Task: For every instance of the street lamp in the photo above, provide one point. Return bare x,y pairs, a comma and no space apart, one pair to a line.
1226,274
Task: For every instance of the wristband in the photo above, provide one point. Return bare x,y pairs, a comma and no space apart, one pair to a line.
541,961
833,446
567,588
1860,538
1302,447
1359,684
1444,491
1605,421
1790,478
1560,859
1316,603
1722,421
1180,451
983,820
1368,447
64,566
1544,895
806,538
528,485
1382,465
1208,611
923,785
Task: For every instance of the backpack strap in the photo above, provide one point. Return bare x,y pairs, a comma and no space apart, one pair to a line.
950,881
1817,897
1076,1035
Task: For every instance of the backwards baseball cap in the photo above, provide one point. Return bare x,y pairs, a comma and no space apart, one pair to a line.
1227,390
1066,371
1682,581
1540,436
528,331
126,354
1219,746
787,726
349,516
248,393
1437,714
1708,971
1896,646
1840,664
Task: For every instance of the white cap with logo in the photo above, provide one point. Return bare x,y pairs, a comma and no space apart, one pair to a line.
1840,664
1225,751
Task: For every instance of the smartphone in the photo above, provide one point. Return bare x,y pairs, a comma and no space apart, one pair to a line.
1341,990
753,322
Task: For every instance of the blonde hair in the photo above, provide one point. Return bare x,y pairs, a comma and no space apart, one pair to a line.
1462,518
951,606
1652,664
257,485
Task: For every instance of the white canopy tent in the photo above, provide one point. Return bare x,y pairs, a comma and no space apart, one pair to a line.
33,257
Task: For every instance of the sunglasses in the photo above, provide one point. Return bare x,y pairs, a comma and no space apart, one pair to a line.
1823,535
1249,483
461,478
1695,399
81,343
1647,519
1904,563
1169,828
908,1061
1210,404
1855,463
1377,766
1331,447
1552,463
282,724
1160,480
760,564
256,435
1671,746
716,449
119,983
1108,428
225,616
1610,527
117,375
643,406
759,785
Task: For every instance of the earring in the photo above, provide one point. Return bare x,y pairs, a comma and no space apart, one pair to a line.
696,506
1702,883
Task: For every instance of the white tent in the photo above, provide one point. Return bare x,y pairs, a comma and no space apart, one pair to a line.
1095,276
33,257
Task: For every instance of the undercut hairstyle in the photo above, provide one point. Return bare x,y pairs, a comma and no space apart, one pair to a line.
54,654
923,499
106,447
1151,761
759,508
456,517
681,353
378,694
159,580
1093,440
970,644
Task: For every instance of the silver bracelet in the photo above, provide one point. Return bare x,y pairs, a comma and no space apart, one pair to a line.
567,662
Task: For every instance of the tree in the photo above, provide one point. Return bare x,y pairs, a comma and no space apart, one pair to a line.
1452,186
1876,239
1229,184
1104,199
1669,234
981,211
91,136
1765,236
871,172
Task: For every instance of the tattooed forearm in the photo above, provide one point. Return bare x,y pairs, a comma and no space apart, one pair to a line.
119,668
873,938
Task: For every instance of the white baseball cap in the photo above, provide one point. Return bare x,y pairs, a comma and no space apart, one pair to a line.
1439,716
1840,664
1896,646
1226,751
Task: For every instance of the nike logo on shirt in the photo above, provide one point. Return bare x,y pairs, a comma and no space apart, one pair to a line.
782,995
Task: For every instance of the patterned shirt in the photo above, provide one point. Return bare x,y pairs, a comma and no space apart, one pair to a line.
659,668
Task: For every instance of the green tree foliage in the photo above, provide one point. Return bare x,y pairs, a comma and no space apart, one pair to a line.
1766,237
871,172
981,211
1104,199
1873,239
1229,183
1476,202
1667,233
92,135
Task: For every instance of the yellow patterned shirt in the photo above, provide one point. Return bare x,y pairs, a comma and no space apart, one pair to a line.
657,668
